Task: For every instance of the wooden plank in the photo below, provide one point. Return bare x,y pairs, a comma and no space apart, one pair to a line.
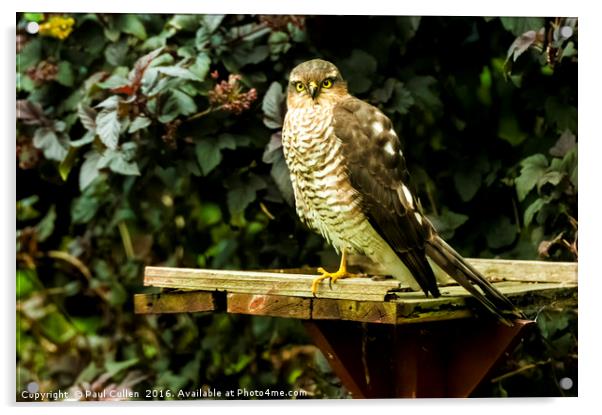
269,305
362,289
411,307
270,283
182,302
400,308
519,270
365,311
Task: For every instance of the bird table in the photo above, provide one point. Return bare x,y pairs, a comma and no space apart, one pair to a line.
381,339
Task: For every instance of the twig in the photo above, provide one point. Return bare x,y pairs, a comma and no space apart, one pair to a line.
64,256
520,370
126,239
202,113
265,210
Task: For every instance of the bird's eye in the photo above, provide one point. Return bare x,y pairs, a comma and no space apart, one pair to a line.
327,83
299,86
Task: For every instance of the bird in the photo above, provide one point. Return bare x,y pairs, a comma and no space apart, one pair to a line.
351,185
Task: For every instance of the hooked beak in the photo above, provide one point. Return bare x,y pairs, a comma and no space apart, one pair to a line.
313,90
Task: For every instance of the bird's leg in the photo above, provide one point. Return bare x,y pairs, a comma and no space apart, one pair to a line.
332,276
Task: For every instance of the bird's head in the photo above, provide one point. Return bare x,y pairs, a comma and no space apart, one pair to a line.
315,82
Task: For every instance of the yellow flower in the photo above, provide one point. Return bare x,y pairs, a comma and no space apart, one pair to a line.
58,27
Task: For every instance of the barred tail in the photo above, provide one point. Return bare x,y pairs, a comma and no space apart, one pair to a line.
469,278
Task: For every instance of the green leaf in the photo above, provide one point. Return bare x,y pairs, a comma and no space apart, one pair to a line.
272,106
533,168
30,55
89,169
186,22
33,17
282,177
521,44
65,75
501,233
533,209
52,144
114,368
242,193
212,21
108,127
208,154
279,172
245,54
87,117
200,67
278,43
67,163
119,162
550,177
178,103
116,53
88,324
447,222
467,183
178,72
420,87
114,81
111,103
131,24
27,282
564,116
57,328
510,130
208,151
86,139
384,93
402,99
566,142
25,209
520,25
359,70
85,207
139,123
569,165
46,226
209,214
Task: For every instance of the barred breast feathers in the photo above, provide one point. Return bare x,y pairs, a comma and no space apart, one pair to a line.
325,200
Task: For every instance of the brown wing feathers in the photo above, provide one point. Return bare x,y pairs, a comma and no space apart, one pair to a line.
377,169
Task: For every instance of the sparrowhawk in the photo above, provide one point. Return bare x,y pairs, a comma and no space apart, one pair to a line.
351,185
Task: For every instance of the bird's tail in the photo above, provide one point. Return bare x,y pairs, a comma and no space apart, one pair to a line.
469,278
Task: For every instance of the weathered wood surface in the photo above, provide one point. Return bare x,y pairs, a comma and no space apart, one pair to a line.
361,289
262,282
532,271
400,308
269,305
181,302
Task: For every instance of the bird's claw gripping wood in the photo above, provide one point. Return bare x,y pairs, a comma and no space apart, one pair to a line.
333,277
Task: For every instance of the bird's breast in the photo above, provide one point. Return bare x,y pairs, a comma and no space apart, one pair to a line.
325,199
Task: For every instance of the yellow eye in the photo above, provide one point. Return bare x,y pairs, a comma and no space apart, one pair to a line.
299,86
327,83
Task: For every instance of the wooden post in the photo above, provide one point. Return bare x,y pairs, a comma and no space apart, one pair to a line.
429,360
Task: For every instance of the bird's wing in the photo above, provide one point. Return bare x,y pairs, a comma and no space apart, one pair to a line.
376,169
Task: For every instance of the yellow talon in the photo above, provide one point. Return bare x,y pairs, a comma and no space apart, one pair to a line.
332,276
